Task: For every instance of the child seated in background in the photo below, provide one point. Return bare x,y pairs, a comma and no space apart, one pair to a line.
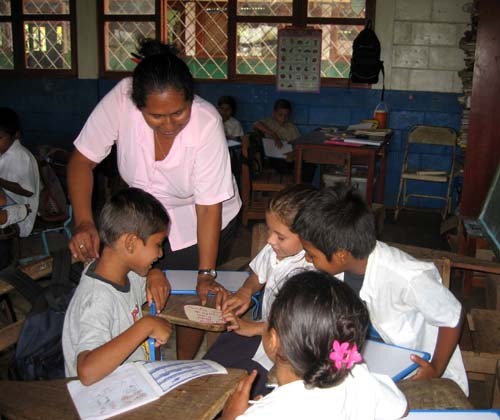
19,181
104,326
407,302
226,106
278,126
242,346
316,329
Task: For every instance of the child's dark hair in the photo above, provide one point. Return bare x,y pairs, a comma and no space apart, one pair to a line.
282,104
337,218
310,311
158,70
131,210
286,203
227,100
9,121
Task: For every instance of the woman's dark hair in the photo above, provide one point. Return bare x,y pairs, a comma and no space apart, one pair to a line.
227,100
131,210
311,310
337,218
286,203
282,104
9,121
158,70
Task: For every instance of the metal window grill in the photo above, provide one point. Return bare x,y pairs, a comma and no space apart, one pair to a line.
47,45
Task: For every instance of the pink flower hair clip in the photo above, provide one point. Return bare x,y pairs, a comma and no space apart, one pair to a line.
341,354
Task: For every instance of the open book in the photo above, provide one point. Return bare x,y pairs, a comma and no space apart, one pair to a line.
273,151
136,384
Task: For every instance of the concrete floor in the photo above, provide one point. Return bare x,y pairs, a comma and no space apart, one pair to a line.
416,228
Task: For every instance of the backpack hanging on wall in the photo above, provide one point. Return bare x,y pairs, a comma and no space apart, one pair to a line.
365,61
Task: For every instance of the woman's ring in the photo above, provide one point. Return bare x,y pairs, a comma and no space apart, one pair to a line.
81,246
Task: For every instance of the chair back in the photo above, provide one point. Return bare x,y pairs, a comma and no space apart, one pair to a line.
438,136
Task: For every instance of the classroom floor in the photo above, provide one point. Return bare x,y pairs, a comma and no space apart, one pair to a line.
415,228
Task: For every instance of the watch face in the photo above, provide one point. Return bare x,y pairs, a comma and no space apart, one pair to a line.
210,272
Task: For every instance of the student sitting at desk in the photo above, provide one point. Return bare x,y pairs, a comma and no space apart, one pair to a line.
283,253
408,304
226,105
19,180
317,327
104,326
278,126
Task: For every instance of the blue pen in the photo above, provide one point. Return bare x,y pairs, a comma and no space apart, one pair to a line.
151,340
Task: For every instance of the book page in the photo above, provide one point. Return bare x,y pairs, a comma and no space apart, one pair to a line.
122,390
170,374
203,314
272,151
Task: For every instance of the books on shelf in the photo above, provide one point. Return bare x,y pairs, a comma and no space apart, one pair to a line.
134,384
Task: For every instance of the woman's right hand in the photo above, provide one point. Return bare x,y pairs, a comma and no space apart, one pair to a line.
238,302
84,244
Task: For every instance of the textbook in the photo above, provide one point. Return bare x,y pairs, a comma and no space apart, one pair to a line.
134,384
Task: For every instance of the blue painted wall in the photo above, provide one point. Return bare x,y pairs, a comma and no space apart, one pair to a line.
54,110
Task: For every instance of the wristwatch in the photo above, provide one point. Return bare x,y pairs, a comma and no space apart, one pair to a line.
208,272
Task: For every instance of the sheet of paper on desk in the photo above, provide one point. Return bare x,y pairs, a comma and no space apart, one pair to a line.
361,141
272,151
184,281
134,384
454,415
390,360
203,314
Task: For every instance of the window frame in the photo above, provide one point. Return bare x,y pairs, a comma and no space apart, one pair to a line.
17,19
298,19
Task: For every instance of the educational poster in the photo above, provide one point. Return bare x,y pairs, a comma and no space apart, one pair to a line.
299,60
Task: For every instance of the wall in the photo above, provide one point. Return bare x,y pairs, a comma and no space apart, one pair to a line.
54,110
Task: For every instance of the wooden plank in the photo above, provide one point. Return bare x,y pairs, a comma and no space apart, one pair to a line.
10,334
36,271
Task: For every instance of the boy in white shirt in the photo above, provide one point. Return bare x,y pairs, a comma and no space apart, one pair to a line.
407,302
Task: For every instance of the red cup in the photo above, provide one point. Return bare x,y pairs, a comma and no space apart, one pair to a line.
381,117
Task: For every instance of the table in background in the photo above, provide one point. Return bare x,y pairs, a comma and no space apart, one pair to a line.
202,398
320,153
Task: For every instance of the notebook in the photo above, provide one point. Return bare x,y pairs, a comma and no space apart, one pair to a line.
272,151
134,384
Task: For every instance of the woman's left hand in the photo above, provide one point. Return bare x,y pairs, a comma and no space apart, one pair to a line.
237,403
206,285
157,288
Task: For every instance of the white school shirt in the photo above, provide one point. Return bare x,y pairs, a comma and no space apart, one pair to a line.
197,170
361,396
274,273
19,165
408,303
232,128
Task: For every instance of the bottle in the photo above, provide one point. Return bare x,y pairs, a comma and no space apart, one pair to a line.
380,114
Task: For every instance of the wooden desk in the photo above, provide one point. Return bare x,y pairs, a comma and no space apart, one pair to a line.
311,148
201,398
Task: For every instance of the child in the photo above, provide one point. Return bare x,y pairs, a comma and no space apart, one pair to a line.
270,268
226,106
316,327
19,181
104,326
277,126
407,302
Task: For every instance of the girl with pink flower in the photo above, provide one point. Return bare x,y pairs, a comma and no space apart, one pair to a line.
316,330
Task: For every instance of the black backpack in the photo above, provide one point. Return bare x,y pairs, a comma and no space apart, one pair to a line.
39,353
365,60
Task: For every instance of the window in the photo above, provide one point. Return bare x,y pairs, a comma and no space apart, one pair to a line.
232,39
37,36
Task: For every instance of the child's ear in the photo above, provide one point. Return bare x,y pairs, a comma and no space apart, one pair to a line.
130,242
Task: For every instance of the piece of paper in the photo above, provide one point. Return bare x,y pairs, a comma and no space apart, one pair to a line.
360,126
203,314
273,151
233,143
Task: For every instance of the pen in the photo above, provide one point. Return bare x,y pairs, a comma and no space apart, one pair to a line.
151,340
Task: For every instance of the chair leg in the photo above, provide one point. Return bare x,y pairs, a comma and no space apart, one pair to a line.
46,251
396,212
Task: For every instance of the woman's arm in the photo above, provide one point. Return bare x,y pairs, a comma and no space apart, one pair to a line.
84,244
209,221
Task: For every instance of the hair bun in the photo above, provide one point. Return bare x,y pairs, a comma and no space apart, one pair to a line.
149,47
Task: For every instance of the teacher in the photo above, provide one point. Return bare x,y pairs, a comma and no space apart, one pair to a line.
170,143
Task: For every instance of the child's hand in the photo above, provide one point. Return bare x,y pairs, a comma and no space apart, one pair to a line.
161,330
277,141
238,325
237,403
238,302
426,369
157,289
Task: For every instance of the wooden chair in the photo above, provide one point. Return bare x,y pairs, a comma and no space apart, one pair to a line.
257,187
437,137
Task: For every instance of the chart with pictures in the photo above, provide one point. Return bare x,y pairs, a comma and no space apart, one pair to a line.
299,60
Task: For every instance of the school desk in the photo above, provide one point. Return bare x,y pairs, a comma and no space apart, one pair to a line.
311,148
202,398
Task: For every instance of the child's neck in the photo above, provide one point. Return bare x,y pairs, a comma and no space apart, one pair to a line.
112,267
357,266
285,373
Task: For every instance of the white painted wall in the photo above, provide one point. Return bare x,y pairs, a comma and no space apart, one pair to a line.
420,41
